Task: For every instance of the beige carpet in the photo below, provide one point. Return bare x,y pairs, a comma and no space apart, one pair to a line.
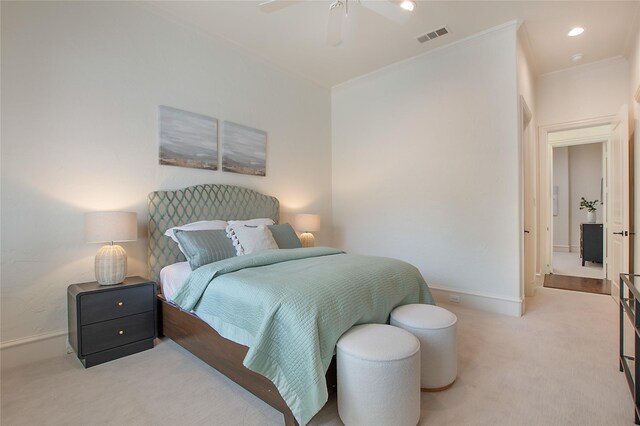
557,365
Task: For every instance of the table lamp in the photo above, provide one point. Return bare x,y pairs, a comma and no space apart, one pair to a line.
110,227
307,223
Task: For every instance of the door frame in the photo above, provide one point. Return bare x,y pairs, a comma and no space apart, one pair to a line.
545,232
528,161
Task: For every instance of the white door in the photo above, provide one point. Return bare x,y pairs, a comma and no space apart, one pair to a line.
636,184
618,230
530,221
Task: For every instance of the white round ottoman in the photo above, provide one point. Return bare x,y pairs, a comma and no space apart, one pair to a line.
378,369
435,327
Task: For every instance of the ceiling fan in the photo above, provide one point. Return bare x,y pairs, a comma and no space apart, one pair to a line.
395,10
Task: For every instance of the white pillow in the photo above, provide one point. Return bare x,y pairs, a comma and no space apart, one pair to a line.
195,226
232,224
252,222
251,240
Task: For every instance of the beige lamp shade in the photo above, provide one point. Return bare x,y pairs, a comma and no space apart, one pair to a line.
307,223
101,227
111,260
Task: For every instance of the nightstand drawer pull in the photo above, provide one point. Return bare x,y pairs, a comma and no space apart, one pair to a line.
121,332
120,303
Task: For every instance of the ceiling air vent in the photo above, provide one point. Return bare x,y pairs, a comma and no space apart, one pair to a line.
433,34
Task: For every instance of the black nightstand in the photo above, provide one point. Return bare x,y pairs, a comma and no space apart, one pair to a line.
112,321
591,242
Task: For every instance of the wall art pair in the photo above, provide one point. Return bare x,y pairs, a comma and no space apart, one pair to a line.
188,139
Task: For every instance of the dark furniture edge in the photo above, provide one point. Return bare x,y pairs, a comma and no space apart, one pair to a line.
115,353
94,287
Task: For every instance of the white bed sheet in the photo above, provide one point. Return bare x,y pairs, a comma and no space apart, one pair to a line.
172,277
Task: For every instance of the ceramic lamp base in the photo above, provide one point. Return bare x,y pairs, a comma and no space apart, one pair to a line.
111,265
307,239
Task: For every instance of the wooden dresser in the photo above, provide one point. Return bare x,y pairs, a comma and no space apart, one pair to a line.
109,322
591,242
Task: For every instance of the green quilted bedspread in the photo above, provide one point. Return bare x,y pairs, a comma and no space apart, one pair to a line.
290,307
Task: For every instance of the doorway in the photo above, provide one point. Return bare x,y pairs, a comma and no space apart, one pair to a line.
579,211
616,185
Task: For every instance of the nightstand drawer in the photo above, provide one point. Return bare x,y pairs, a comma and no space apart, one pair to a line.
110,334
101,306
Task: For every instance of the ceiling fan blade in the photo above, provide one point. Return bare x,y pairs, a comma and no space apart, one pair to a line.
388,9
334,25
270,6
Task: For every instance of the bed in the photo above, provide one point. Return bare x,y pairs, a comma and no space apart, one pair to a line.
190,330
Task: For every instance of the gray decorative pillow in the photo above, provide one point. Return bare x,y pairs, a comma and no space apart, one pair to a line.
285,236
204,247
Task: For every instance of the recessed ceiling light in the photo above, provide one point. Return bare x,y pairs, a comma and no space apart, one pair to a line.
576,31
577,57
408,5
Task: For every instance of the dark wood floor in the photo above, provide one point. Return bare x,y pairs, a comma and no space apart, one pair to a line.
587,285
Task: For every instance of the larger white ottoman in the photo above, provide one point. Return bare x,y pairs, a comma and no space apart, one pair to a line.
378,369
435,327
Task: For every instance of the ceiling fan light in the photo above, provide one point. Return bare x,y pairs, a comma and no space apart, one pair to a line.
408,5
575,31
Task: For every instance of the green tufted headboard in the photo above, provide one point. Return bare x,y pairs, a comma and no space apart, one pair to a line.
200,202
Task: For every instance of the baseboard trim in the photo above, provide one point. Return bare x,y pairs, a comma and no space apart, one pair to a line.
31,349
484,302
539,279
615,290
31,339
561,249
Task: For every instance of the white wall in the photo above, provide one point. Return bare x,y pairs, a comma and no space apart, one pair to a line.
526,73
561,241
585,172
587,91
425,166
576,94
634,78
81,84
634,111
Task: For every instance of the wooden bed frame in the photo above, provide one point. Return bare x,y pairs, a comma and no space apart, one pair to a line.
224,202
200,339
